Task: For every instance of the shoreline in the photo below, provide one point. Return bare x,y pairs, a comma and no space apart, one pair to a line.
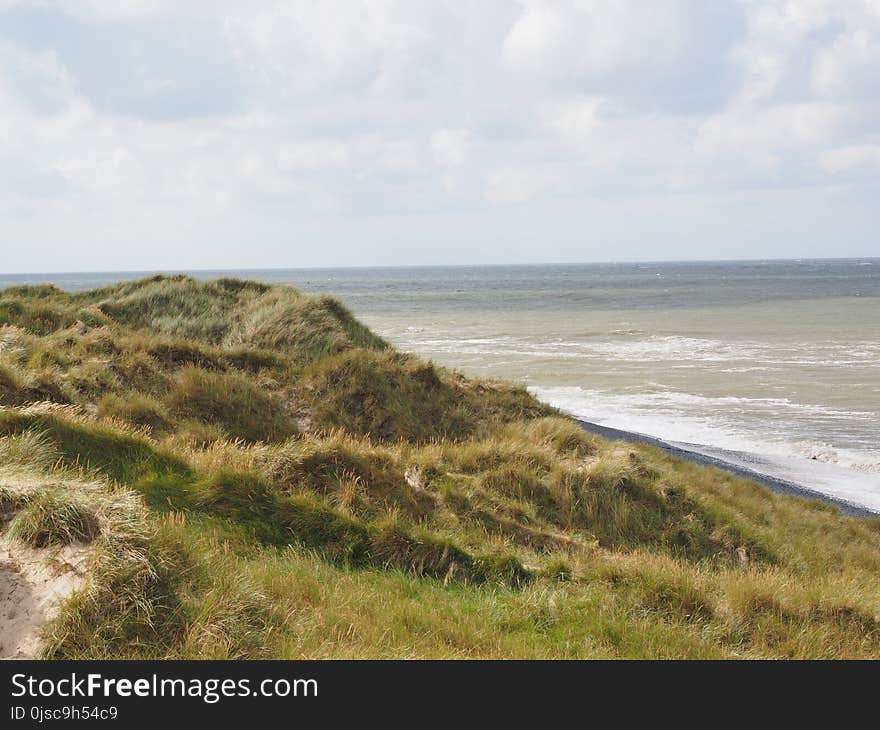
774,484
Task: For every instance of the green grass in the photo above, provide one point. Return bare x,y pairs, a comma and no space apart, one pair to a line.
136,409
390,396
53,519
260,476
121,455
232,402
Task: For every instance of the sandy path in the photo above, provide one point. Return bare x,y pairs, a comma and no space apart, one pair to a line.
33,583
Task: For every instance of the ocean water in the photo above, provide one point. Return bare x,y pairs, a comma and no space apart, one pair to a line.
774,365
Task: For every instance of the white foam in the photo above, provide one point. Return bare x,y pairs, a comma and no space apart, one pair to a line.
629,346
643,383
706,425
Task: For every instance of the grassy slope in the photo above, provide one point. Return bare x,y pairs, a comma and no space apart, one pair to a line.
263,476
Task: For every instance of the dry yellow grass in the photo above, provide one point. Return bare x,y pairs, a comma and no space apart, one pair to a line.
263,477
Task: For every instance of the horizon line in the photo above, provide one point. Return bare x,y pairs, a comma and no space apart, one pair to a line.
441,266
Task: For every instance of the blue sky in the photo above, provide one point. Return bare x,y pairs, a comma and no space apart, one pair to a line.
144,134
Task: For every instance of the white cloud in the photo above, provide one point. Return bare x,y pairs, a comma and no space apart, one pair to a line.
574,118
848,158
111,9
590,36
211,123
450,147
313,155
849,65
520,184
781,127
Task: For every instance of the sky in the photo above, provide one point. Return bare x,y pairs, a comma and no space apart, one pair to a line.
148,135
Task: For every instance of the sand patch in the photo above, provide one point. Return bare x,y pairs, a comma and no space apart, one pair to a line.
33,584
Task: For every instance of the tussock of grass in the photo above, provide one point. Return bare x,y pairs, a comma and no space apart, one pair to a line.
560,435
427,555
35,385
386,395
229,621
231,402
28,311
10,503
9,386
261,476
275,519
29,448
137,409
309,328
176,306
363,477
50,519
128,456
390,396
32,291
132,598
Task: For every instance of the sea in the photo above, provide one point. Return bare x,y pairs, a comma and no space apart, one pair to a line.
771,365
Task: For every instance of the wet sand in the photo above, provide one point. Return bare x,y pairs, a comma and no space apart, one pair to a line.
774,484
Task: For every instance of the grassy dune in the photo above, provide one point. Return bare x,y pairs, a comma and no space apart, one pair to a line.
262,476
